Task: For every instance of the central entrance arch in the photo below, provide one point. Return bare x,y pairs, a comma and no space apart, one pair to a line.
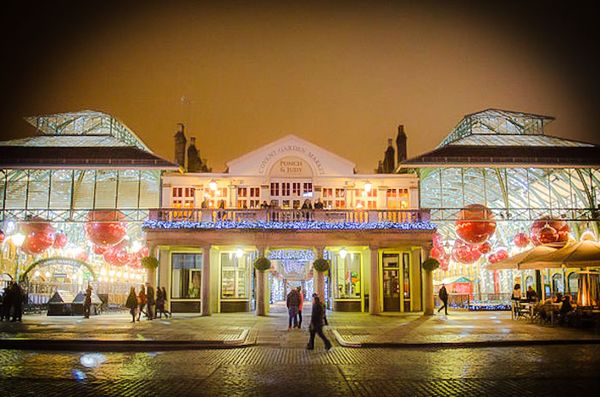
292,269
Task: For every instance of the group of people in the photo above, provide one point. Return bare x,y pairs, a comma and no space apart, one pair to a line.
13,298
145,302
565,310
318,318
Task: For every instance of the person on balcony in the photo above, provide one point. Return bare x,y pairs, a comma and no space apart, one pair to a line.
319,204
221,210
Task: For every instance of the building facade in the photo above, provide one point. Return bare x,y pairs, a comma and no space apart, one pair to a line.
292,202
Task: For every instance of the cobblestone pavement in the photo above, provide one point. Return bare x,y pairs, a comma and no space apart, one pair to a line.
276,371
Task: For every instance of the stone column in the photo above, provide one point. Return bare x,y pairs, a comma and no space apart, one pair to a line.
261,288
374,298
319,277
205,288
151,273
428,303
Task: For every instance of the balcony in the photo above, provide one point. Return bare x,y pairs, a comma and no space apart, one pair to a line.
194,218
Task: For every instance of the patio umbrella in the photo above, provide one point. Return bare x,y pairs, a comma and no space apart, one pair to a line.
515,261
581,254
588,293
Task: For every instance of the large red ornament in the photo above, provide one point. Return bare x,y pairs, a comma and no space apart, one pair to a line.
104,227
475,224
437,252
465,253
60,240
547,231
500,255
40,236
117,255
521,240
438,241
2,236
100,249
485,247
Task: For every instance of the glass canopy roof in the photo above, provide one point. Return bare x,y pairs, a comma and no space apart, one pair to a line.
93,128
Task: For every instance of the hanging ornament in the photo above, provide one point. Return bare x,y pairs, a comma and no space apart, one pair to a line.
60,240
547,231
521,240
444,262
475,224
2,236
104,227
465,253
39,236
117,255
499,255
100,249
438,240
485,247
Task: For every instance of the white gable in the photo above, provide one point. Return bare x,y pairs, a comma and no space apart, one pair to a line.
283,152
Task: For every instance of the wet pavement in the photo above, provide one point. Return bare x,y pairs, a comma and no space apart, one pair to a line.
276,371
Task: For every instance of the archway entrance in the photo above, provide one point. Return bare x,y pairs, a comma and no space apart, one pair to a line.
292,269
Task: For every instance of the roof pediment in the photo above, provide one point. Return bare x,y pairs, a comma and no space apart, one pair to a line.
262,160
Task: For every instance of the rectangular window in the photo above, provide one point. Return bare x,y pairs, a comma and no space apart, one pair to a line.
347,276
149,189
235,275
38,190
307,188
296,189
128,188
60,190
285,189
83,189
242,192
327,192
397,198
186,275
340,193
274,189
106,189
254,192
183,197
406,274
16,189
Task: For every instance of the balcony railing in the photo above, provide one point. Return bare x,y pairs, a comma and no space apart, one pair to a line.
288,215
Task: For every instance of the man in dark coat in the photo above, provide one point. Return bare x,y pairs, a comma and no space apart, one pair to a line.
292,302
16,297
443,294
316,324
151,301
87,302
6,303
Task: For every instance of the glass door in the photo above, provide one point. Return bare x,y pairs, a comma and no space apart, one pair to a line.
391,282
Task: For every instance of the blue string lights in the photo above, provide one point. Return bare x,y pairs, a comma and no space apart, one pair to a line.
300,225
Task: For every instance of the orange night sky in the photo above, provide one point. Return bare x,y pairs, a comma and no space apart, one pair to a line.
341,75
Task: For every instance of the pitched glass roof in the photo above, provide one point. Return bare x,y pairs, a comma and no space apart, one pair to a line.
517,140
66,141
86,123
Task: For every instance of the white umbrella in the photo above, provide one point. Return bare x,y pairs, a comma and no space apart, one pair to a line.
581,254
515,261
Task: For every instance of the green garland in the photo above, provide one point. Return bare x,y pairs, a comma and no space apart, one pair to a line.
261,264
430,264
321,265
149,262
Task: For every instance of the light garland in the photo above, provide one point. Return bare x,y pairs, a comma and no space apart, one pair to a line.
296,254
300,225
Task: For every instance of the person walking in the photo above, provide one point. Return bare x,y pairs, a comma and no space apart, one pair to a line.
6,303
300,304
165,300
16,297
160,304
443,294
87,302
132,303
292,302
142,302
316,324
150,301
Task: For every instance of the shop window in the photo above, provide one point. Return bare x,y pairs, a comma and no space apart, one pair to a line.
573,281
347,276
186,275
235,275
406,275
528,282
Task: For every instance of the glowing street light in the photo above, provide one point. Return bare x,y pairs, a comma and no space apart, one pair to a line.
212,185
368,186
343,253
239,253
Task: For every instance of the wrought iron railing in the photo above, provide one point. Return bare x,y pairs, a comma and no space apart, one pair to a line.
288,215
523,214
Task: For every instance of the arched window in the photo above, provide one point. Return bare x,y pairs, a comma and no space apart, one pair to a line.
557,283
573,282
528,282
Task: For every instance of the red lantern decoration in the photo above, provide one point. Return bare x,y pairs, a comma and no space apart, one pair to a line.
521,240
117,255
547,231
104,227
60,240
465,253
485,247
500,255
40,236
475,224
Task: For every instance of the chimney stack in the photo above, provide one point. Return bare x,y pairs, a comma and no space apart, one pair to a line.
388,159
180,143
401,144
194,162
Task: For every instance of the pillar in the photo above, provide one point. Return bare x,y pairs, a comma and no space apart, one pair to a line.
428,303
261,288
374,298
319,277
151,273
205,288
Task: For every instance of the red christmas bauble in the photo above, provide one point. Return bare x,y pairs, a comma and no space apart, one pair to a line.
521,240
499,255
437,253
475,224
37,225
142,252
117,255
485,247
438,240
547,231
60,240
102,229
37,242
100,249
82,256
444,262
465,253
2,236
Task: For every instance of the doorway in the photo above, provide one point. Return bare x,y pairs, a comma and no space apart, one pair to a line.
391,282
